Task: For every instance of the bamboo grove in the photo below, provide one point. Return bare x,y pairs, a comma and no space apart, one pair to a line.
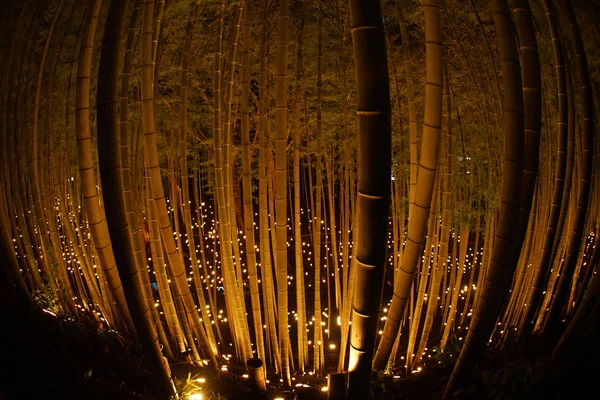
327,186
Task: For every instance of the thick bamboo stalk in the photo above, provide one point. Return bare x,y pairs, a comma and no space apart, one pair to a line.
373,198
112,183
95,213
427,169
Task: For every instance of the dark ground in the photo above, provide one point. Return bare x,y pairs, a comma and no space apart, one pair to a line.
47,357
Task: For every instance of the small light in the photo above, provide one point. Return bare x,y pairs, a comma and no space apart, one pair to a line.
200,380
324,389
195,396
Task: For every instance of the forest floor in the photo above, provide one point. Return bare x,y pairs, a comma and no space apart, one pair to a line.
44,356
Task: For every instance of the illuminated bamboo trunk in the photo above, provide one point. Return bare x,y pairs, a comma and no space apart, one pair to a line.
426,173
456,289
222,216
55,266
316,223
200,222
228,234
33,171
424,276
524,267
54,199
112,182
587,305
374,175
95,213
281,95
585,175
247,187
156,187
265,246
159,6
504,257
158,262
466,309
299,260
347,212
137,241
446,202
566,202
332,233
533,120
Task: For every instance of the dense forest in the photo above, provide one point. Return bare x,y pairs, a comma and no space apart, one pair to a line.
309,198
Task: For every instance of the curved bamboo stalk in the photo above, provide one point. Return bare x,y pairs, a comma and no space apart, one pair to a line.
426,173
112,183
587,157
532,101
504,257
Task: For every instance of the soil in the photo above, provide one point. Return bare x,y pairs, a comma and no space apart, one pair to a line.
56,357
